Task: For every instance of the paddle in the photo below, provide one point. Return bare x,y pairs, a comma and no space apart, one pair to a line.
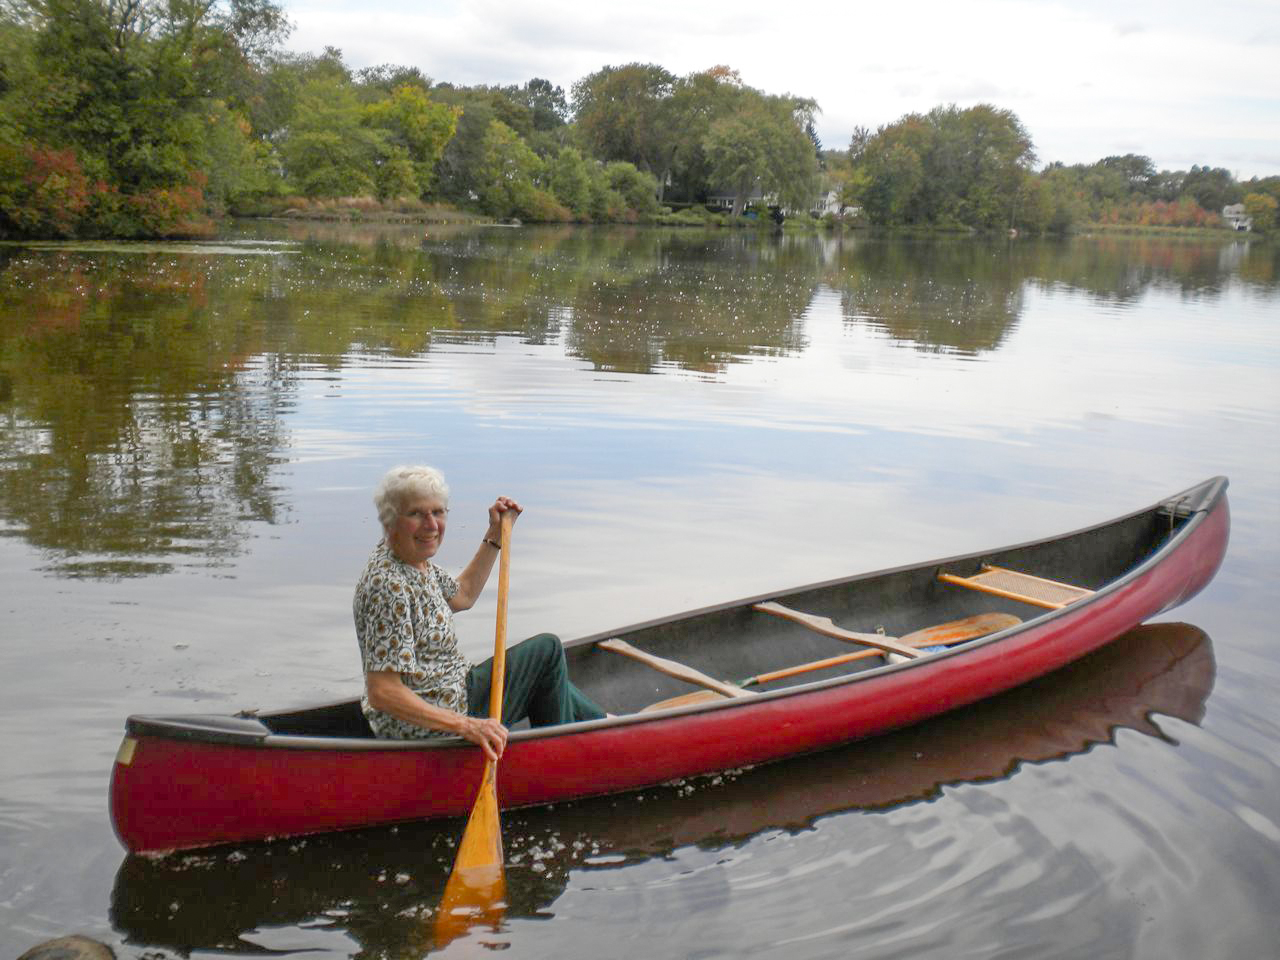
942,634
477,887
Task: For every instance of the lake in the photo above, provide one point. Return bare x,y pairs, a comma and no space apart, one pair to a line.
189,438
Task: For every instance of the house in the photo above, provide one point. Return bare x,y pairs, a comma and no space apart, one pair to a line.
1236,218
828,202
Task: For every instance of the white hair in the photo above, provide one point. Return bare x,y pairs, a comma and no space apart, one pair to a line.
402,484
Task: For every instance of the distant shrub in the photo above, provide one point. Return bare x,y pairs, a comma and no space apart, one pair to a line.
539,206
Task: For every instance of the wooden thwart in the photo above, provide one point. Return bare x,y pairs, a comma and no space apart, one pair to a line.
826,627
1013,585
673,668
943,634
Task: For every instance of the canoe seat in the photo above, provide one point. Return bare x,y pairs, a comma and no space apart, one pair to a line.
1002,582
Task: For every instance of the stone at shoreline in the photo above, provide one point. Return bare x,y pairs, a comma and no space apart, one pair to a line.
74,947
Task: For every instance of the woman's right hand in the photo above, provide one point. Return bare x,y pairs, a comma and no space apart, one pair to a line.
486,733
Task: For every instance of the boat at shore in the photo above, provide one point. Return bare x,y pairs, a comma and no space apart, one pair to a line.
824,664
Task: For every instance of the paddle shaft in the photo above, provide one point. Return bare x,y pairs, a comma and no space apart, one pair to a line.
500,633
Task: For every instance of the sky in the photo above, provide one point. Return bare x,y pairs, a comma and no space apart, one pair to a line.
1182,83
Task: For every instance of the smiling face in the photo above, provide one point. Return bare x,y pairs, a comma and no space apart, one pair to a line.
415,534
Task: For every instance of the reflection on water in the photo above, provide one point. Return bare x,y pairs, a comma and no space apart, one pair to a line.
146,390
381,887
189,434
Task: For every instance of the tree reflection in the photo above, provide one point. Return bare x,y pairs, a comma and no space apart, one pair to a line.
938,294
145,391
138,428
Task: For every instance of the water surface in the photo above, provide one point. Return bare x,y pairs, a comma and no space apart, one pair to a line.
188,439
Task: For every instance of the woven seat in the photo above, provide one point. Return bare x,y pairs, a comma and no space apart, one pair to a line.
1001,582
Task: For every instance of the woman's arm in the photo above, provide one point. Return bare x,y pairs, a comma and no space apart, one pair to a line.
388,693
471,580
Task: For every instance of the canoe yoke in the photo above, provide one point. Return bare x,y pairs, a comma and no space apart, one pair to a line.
1012,585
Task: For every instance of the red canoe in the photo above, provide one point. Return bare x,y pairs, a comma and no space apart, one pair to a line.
198,780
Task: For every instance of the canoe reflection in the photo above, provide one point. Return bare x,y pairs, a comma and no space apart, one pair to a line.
382,886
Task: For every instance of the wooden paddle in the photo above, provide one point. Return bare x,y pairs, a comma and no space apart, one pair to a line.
940,635
477,888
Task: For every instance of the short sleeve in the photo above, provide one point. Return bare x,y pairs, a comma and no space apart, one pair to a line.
448,585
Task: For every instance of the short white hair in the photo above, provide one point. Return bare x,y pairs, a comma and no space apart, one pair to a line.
401,484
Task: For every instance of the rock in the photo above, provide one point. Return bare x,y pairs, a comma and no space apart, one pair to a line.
70,948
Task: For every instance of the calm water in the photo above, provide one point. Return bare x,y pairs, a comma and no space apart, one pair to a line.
189,435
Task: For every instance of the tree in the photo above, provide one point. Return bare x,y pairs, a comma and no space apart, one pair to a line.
330,151
1212,188
763,145
950,167
505,173
620,114
146,96
1262,208
546,103
1138,172
569,177
697,101
415,130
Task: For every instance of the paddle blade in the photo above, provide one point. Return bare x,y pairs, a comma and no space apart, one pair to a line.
958,631
685,700
476,892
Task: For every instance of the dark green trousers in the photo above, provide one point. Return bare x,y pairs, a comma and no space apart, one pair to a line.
535,686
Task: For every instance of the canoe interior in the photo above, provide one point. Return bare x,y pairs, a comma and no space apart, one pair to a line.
734,642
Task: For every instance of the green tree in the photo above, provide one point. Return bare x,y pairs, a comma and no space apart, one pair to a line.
505,173
143,98
1212,188
620,114
697,101
330,152
950,167
1262,208
638,190
569,177
416,130
764,145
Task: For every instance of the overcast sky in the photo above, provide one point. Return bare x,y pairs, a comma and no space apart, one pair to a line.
1182,83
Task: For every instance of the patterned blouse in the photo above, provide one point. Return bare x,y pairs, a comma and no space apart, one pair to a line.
404,623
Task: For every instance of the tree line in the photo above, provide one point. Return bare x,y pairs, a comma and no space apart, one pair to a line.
136,118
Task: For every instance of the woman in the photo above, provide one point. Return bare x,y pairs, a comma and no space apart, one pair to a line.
417,683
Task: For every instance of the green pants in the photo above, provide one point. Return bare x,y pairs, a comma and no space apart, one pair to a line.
535,686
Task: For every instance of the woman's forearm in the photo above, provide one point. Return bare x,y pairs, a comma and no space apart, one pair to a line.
388,693
474,576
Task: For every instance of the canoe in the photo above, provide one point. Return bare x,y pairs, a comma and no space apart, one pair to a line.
194,901
878,651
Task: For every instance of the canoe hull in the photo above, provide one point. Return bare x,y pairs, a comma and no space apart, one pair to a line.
183,784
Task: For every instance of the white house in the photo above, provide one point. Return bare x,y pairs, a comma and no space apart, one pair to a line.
1236,218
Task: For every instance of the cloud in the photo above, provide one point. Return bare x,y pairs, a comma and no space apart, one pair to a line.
1082,75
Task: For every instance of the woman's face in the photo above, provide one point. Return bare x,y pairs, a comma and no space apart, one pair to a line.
415,535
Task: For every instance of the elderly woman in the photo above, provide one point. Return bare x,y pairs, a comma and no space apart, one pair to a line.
417,683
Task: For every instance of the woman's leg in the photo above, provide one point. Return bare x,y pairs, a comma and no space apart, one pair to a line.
535,686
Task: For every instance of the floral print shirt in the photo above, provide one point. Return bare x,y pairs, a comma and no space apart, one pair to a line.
404,623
